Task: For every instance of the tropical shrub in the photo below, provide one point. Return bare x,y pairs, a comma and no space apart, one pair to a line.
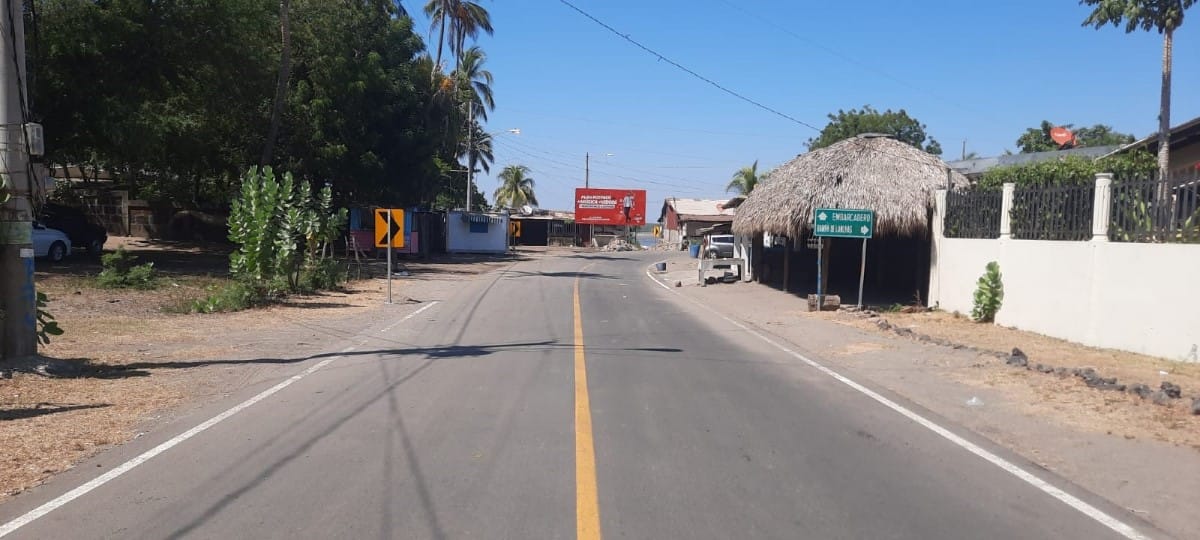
284,234
989,294
121,272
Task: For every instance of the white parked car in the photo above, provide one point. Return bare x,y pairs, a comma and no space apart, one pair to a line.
50,243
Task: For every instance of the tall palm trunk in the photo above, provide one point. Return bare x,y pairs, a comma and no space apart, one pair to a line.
1164,134
285,68
441,40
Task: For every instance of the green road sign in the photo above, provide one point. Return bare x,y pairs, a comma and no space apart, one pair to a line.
844,223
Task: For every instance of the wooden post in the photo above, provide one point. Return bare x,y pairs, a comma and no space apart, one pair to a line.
826,251
787,260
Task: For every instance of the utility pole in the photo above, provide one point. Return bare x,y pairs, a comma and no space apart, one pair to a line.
587,169
19,323
470,166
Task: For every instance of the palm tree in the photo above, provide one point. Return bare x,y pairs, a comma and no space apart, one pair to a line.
465,19
745,180
1164,16
439,12
516,188
479,155
468,19
471,74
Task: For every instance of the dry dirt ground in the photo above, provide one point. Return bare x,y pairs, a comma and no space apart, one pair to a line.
1067,399
1057,399
145,358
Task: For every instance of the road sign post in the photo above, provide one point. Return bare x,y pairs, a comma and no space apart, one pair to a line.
389,257
389,233
843,223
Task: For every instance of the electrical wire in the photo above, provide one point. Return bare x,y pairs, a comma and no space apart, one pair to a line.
847,58
626,167
689,71
714,83
574,168
24,107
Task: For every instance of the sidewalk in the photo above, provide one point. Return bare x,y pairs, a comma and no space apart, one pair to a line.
1139,455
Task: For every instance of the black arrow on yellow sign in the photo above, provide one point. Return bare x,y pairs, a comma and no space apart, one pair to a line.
383,232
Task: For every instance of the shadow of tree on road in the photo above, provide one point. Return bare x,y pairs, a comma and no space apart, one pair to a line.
43,409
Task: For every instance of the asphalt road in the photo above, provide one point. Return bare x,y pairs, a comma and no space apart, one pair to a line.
461,422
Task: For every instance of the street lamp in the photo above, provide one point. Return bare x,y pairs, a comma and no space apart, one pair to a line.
470,167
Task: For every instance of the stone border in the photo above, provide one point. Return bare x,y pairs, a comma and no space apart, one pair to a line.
1166,395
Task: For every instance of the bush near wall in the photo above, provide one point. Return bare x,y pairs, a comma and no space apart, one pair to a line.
1071,170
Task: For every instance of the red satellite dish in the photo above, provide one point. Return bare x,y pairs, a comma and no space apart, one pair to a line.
1062,136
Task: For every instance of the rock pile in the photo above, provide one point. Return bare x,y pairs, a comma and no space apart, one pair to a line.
1166,395
619,245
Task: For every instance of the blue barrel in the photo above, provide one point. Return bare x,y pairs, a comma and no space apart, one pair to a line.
694,250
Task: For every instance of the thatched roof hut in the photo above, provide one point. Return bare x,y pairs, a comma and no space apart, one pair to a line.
873,172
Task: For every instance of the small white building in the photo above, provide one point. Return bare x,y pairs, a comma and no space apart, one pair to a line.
682,218
476,232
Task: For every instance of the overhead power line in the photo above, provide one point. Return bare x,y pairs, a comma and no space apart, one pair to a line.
689,71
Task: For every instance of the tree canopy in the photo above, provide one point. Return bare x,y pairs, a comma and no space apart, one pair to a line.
175,102
898,124
1037,139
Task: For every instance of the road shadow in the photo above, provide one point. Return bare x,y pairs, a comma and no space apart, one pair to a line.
520,274
40,410
318,305
169,258
83,368
600,257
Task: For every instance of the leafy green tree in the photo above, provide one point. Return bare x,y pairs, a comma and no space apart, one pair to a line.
898,124
745,180
1164,16
516,188
285,67
1038,139
174,101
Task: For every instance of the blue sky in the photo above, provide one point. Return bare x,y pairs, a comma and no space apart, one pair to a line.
975,71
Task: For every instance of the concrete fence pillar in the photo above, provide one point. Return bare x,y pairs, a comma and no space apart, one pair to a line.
935,247
1006,204
1102,207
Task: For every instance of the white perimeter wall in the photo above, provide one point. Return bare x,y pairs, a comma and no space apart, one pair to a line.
1142,298
460,239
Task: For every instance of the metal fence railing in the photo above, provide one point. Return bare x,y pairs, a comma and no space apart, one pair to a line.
973,213
1053,213
1151,210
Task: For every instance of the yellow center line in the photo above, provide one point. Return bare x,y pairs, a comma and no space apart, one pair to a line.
587,508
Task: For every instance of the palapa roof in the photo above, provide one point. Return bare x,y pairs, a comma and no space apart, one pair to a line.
870,172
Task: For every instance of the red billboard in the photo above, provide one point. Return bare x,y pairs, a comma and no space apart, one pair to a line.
610,206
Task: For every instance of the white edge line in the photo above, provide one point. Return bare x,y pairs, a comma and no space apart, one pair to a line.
123,468
1086,509
411,315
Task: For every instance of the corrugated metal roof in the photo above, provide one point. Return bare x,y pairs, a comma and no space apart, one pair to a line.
700,207
980,165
